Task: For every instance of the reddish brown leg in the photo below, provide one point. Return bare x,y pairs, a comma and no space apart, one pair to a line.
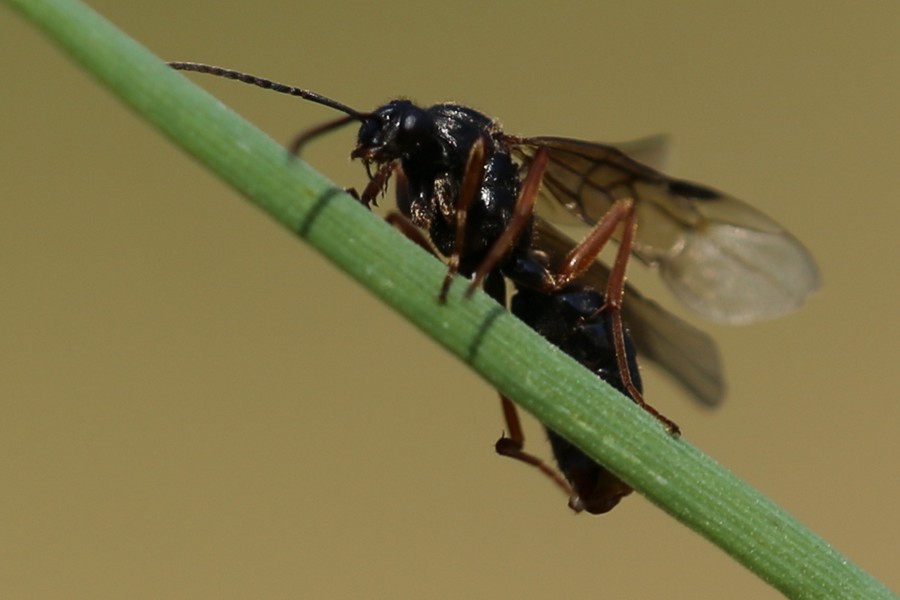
580,259
585,253
514,447
521,217
615,292
377,184
413,233
471,183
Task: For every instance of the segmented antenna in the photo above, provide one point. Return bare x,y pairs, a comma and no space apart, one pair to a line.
269,85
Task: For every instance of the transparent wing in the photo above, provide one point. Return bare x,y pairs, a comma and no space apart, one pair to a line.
721,257
684,352
652,151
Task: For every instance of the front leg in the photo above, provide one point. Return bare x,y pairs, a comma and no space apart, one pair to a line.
377,184
471,184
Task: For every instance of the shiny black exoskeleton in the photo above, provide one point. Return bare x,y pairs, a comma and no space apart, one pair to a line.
432,147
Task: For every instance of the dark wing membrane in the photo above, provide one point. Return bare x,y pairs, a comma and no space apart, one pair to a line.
684,352
721,257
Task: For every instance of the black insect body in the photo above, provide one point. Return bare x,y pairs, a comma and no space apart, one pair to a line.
434,148
572,320
473,190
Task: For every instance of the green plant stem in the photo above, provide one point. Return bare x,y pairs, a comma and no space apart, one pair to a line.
670,472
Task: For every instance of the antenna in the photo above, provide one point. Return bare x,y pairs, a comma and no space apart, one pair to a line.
269,85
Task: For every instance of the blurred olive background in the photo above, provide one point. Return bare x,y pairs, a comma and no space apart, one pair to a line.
195,405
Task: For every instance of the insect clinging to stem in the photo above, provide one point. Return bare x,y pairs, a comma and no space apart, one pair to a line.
473,190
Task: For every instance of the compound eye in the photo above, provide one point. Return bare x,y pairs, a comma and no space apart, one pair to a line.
371,132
